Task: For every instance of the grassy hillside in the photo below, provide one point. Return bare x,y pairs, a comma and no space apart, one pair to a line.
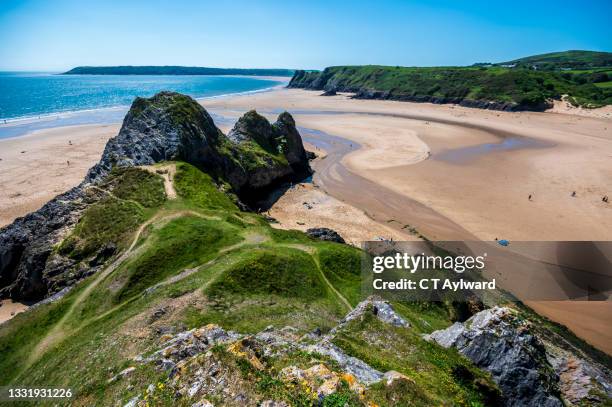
195,260
564,60
528,83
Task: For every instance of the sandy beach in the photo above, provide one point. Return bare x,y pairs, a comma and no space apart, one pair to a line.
444,171
36,167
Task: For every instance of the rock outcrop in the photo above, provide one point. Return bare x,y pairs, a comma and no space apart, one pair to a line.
197,369
380,308
168,126
27,264
500,343
325,234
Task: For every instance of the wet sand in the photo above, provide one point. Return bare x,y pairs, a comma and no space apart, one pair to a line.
441,169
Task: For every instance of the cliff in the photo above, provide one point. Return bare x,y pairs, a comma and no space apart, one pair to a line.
491,87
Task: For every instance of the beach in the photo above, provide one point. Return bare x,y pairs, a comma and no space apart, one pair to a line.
396,170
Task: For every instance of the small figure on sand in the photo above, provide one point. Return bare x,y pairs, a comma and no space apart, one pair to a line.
574,194
605,199
530,196
68,162
70,142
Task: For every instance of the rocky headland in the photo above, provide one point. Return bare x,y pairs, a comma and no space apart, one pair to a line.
253,158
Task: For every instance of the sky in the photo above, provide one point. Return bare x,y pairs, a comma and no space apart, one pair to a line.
45,35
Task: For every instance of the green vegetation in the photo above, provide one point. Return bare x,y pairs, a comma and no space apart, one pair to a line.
251,156
182,243
439,375
133,184
564,60
290,273
515,85
173,70
199,260
129,199
198,188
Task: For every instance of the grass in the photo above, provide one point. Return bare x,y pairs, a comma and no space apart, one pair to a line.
565,60
433,369
134,184
523,88
130,197
185,242
108,221
290,273
198,188
342,267
246,276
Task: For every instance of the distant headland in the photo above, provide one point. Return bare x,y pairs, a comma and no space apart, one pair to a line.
174,70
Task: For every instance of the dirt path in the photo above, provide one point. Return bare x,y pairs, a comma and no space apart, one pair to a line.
312,252
58,332
167,172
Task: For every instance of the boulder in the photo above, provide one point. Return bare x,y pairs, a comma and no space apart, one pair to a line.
325,234
380,308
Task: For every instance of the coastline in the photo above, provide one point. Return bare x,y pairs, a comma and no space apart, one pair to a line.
399,154
20,126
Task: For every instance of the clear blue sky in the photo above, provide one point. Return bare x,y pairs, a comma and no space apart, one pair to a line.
60,34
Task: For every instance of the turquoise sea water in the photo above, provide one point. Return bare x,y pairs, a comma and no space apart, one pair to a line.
31,101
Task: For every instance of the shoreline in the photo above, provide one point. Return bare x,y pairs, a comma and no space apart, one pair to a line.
107,114
485,195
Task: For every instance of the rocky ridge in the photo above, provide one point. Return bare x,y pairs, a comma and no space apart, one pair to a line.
168,126
197,365
529,371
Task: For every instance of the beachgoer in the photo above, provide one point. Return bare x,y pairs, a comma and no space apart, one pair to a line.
529,197
574,194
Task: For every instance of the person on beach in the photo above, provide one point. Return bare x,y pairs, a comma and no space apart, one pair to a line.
574,194
529,197
605,199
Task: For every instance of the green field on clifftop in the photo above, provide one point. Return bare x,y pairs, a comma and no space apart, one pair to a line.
519,87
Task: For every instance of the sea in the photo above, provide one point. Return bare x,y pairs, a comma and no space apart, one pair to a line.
36,100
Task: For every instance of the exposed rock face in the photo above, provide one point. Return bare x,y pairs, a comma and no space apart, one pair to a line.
580,381
382,309
330,92
268,153
497,341
168,126
26,246
325,234
195,371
